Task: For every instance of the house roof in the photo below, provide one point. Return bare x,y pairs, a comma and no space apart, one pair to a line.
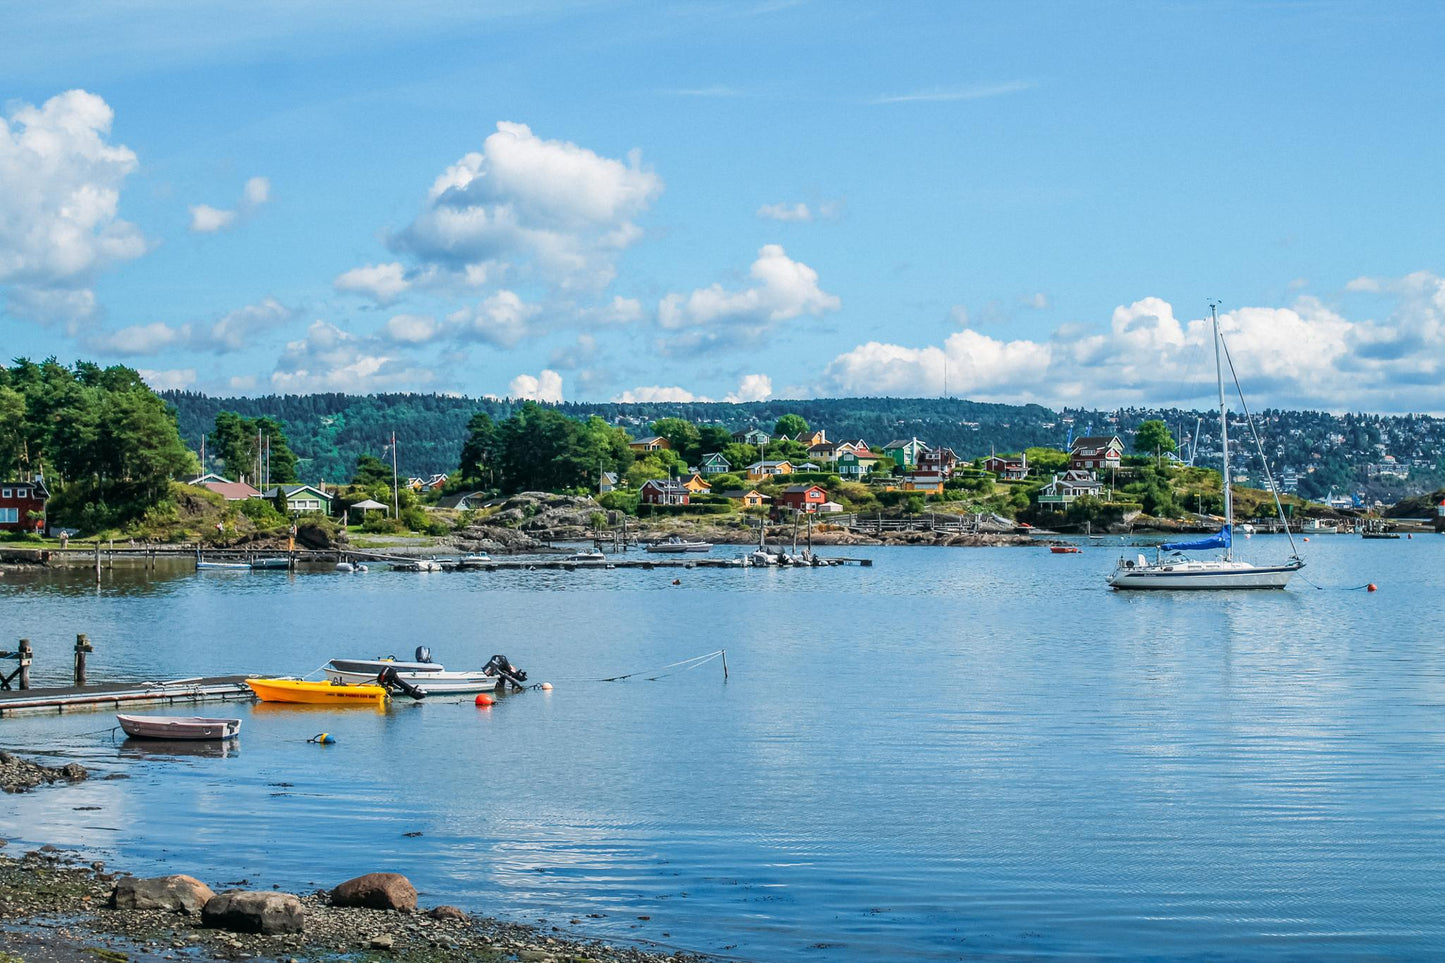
666,484
452,501
905,443
231,491
769,464
799,489
368,504
293,490
209,476
649,440
739,493
1095,441
715,456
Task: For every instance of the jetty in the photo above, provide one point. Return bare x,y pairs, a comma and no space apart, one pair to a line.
115,695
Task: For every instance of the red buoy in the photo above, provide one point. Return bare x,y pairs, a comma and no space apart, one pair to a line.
1371,587
485,700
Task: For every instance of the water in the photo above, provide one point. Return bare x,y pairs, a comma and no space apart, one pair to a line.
952,753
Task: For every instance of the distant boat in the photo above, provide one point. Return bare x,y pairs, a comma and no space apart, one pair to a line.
474,560
179,727
1178,571
270,563
1064,549
373,667
317,693
439,682
202,566
675,544
416,565
591,555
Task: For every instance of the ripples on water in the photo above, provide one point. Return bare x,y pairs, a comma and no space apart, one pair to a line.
954,752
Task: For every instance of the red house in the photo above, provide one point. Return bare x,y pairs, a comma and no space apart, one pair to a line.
18,501
801,498
669,491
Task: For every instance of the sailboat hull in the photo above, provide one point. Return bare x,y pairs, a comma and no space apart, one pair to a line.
1204,575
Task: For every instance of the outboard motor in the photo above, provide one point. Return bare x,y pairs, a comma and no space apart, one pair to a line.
388,679
423,654
499,666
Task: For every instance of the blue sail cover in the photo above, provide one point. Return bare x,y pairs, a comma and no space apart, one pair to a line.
1219,539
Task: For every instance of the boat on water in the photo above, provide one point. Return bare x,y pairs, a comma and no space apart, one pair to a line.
1179,571
270,563
422,663
203,566
190,728
440,682
591,555
424,675
1064,549
417,565
318,693
474,560
673,544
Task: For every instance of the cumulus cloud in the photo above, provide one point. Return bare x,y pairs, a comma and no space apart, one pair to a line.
206,219
59,223
234,331
548,209
330,359
172,380
411,328
545,387
570,357
383,283
753,387
502,320
785,289
1304,355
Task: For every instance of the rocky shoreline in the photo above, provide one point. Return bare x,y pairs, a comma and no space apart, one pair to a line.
58,907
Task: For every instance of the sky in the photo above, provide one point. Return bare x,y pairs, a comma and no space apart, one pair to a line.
612,201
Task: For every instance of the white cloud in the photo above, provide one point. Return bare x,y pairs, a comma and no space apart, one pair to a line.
501,320
551,209
785,289
785,212
545,387
642,395
234,331
947,94
1306,355
256,192
206,219
570,357
381,282
58,205
411,328
330,359
619,310
753,387
168,380
1038,301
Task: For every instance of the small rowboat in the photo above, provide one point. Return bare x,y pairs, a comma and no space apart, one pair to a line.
317,693
179,727
1064,549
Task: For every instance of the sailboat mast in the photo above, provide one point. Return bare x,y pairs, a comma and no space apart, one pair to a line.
1223,427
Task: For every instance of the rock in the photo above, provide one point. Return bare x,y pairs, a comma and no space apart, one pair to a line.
384,941
18,775
248,911
391,891
175,894
447,913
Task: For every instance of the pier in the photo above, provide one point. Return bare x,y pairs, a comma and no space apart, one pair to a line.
116,695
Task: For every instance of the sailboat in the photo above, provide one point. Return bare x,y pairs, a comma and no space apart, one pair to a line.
1179,571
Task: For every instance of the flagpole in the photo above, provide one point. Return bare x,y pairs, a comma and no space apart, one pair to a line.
395,488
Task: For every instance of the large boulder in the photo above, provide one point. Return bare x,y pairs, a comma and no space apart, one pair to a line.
175,894
383,891
247,911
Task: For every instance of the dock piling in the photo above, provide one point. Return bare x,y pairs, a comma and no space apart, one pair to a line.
82,646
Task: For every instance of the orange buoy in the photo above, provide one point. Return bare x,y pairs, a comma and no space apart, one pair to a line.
1307,538
1371,587
483,699
546,687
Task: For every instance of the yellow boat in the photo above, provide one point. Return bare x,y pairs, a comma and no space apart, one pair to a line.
316,693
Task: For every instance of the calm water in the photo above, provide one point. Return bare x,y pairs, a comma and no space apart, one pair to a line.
952,753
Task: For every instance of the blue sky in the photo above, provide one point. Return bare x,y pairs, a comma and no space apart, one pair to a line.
607,200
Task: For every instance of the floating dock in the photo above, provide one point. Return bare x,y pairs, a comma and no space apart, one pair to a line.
113,695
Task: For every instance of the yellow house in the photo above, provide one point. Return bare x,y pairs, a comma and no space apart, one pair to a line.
930,483
696,485
766,469
751,498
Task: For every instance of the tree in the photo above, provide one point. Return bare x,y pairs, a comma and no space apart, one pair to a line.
682,435
790,425
12,430
479,450
1153,438
370,472
712,438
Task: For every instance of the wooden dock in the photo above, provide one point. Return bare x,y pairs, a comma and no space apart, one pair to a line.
114,695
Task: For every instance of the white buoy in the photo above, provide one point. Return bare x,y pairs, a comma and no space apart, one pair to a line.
546,687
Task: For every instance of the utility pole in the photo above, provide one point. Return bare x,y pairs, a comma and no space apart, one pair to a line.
395,488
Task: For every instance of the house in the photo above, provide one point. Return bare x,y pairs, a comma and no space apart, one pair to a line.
764,469
937,460
1007,467
227,489
753,436
853,465
1070,485
928,482
842,446
904,451
463,502
650,443
824,451
300,498
811,438
435,483
715,464
696,484
22,506
664,491
751,498
801,498
1095,451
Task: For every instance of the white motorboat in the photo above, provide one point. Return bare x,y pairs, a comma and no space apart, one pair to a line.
222,566
416,565
592,555
674,544
270,563
436,682
474,560
1179,571
194,728
371,668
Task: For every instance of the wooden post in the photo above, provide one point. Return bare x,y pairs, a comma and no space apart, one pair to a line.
97,559
82,646
25,655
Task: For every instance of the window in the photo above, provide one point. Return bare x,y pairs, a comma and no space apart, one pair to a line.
22,493
9,515
4,493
